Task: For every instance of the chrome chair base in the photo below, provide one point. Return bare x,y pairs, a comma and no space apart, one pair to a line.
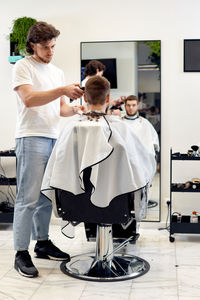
121,267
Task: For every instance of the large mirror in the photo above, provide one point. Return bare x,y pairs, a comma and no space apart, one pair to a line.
133,68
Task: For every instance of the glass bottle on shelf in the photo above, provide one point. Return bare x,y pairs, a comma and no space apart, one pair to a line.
194,217
178,218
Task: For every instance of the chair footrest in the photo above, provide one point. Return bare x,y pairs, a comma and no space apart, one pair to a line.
121,267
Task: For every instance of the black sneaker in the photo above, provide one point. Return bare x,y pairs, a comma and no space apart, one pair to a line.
24,265
47,250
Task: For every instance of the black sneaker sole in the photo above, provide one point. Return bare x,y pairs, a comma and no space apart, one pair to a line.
24,274
45,256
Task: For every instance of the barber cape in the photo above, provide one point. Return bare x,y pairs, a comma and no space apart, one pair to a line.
144,131
119,162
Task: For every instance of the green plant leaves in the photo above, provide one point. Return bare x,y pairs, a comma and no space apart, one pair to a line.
19,32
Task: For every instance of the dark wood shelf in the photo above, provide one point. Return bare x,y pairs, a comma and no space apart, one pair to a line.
184,225
184,157
189,228
7,153
7,181
6,217
182,190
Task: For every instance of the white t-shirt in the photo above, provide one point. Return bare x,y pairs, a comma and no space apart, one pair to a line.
84,81
39,120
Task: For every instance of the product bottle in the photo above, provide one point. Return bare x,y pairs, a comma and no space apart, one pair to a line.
179,218
194,217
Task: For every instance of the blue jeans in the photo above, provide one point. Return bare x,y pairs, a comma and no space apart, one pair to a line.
33,210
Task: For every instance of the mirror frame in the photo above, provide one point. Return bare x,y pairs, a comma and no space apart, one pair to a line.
136,41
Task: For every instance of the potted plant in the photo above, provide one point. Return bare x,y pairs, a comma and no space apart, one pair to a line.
154,54
18,37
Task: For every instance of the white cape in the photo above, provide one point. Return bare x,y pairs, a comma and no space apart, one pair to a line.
145,132
120,163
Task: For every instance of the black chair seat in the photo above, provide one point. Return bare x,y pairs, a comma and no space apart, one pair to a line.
80,208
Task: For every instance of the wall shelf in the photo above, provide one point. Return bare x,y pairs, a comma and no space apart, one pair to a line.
184,157
182,190
184,225
7,217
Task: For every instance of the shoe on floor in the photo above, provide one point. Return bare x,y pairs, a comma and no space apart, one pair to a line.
24,265
46,249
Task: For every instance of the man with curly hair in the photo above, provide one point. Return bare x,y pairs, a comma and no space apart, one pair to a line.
41,90
94,67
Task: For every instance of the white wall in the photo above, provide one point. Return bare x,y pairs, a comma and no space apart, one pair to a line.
169,21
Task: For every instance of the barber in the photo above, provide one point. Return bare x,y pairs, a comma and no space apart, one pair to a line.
41,90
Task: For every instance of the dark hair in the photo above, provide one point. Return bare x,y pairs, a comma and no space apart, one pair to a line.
40,32
96,90
153,109
131,97
92,67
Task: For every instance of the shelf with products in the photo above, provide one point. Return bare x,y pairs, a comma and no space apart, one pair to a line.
183,190
183,156
7,181
6,217
6,210
182,223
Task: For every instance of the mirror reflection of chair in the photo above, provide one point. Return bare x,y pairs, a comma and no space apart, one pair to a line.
105,264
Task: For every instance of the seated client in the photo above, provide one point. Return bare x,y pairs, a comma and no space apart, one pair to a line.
107,145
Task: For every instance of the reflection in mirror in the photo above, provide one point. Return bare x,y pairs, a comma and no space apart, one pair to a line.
133,68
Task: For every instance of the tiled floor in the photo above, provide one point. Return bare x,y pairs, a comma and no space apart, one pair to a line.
174,272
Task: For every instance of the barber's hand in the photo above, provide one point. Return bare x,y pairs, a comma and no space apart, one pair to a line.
114,102
73,91
116,112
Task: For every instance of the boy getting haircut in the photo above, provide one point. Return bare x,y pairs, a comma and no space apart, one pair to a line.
96,90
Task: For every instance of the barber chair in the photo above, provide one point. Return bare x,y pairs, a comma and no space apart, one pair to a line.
105,264
121,232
